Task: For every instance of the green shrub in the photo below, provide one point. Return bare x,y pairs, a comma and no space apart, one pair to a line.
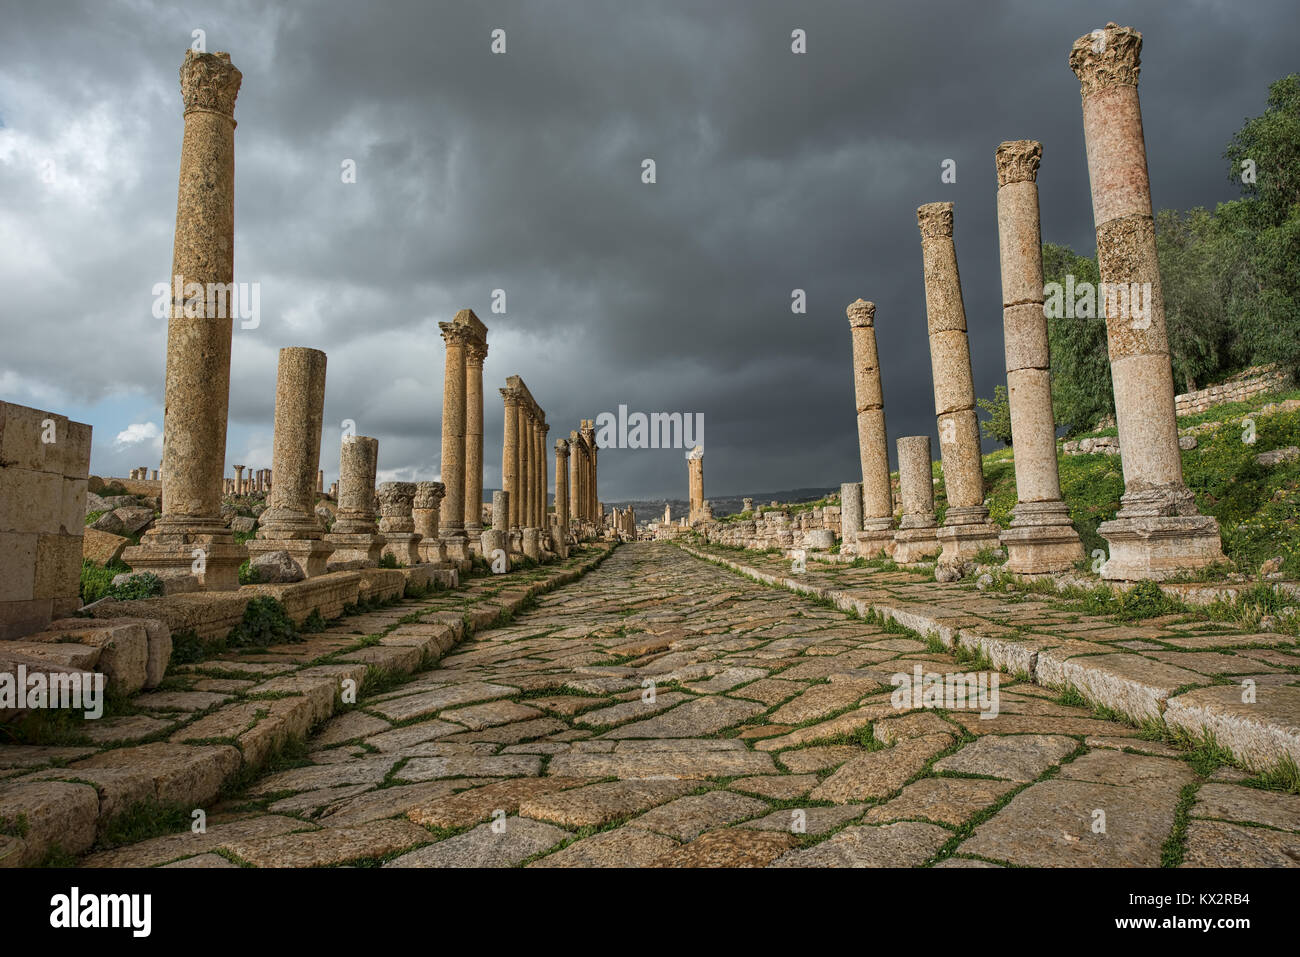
265,623
389,560
143,585
96,579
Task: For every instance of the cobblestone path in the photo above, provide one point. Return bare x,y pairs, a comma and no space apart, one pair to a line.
666,712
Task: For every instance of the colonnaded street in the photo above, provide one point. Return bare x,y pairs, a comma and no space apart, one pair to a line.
665,711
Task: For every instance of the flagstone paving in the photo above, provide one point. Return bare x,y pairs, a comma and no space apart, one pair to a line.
666,712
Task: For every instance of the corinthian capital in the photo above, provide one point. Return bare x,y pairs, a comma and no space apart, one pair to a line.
1111,56
935,220
861,313
209,81
1017,161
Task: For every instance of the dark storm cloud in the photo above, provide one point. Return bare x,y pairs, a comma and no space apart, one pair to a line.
522,172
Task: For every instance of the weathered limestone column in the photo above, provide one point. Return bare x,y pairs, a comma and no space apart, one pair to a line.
289,523
397,523
475,353
575,480
562,486
426,513
239,479
542,430
190,540
966,528
594,511
873,448
695,470
850,516
1158,531
509,462
501,510
320,481
452,528
916,536
355,536
526,468
1041,538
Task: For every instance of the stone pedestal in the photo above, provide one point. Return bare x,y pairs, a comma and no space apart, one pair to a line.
355,536
189,539
1158,531
492,541
396,522
532,543
966,529
425,511
915,539
1041,538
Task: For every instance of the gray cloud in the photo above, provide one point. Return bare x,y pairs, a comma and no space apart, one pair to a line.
522,172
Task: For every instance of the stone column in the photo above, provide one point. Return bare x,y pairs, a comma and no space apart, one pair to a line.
355,536
452,528
526,468
695,471
475,353
426,510
575,480
966,528
562,486
593,487
190,540
320,481
239,479
873,449
850,516
542,429
396,522
501,510
916,536
509,463
289,523
1041,538
1158,531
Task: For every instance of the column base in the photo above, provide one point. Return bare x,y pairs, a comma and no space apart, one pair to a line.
310,554
532,544
170,553
456,548
912,545
1154,547
875,539
403,546
431,550
1041,539
963,542
352,551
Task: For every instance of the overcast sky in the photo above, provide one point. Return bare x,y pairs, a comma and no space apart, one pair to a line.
522,171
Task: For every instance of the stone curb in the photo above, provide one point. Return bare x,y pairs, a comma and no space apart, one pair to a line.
1260,734
71,805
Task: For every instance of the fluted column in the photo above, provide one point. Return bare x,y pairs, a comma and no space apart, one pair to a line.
562,485
1041,538
475,353
453,432
1158,532
575,479
509,462
190,539
873,448
542,430
966,528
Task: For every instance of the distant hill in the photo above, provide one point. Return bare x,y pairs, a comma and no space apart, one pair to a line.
653,509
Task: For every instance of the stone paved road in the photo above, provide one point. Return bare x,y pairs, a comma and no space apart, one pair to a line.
666,712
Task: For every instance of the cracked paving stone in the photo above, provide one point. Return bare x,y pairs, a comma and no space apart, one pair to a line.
478,804
479,716
877,773
778,787
1021,757
690,816
628,710
598,804
621,847
692,719
732,847
942,800
503,843
818,757
1214,843
1231,803
471,766
811,820
906,844
328,846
